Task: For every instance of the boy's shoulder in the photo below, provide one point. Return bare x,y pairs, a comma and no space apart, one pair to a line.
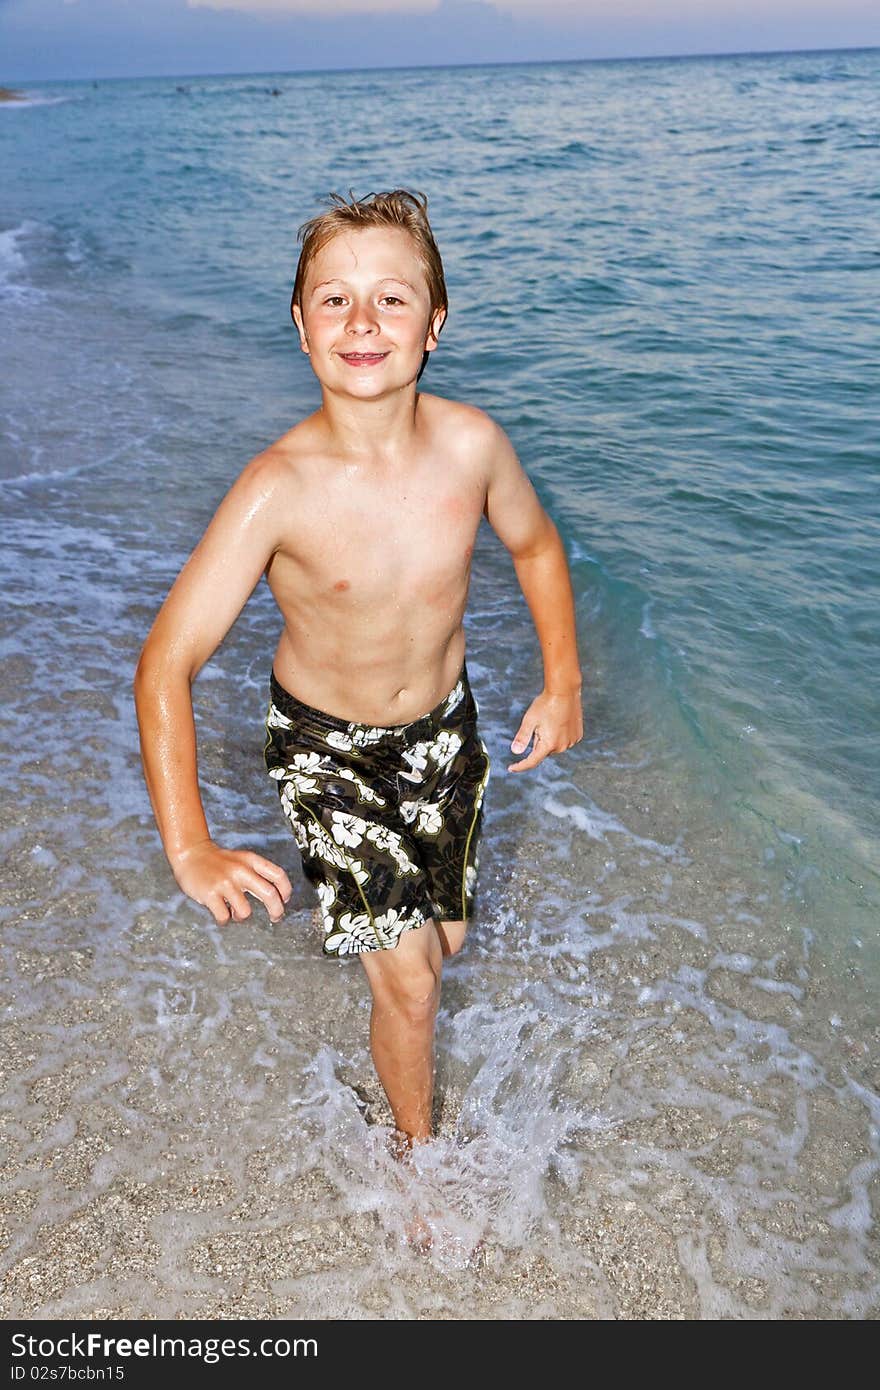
461,412
471,427
278,462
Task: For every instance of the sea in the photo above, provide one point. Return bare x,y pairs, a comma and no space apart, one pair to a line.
658,1055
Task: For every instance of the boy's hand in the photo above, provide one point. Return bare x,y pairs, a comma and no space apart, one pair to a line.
219,878
557,722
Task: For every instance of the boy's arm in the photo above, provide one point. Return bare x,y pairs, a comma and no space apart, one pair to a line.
514,512
204,602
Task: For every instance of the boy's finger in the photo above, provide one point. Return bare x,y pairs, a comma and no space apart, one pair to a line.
269,897
218,908
537,755
532,760
273,872
238,903
222,906
523,738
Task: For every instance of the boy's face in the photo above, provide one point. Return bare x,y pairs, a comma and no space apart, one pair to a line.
365,319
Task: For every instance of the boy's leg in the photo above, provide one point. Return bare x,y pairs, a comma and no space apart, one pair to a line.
405,982
451,936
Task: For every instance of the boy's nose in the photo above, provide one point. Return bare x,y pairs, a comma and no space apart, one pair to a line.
360,320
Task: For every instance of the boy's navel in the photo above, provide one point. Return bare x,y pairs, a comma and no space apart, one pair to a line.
342,584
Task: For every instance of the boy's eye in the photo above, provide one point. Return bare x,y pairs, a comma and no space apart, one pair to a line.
339,299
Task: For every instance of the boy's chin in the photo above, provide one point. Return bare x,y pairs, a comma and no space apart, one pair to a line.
371,384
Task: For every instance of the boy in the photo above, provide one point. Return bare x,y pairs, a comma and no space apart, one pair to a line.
363,519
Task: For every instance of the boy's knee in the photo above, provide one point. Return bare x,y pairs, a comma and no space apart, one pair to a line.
407,977
413,992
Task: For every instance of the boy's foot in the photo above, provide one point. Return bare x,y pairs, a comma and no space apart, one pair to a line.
400,1144
427,1233
419,1235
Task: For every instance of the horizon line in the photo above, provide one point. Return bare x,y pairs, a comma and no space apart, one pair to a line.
489,63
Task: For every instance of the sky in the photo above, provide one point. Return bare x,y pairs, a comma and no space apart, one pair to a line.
42,40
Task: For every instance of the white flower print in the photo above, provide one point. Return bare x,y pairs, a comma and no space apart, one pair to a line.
300,834
356,867
327,895
470,879
364,792
444,747
337,739
393,922
361,736
352,934
381,837
305,762
348,829
276,720
301,783
417,757
300,764
455,696
430,819
321,844
478,800
403,861
386,922
389,840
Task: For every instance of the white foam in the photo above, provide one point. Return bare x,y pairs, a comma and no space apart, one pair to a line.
13,262
597,824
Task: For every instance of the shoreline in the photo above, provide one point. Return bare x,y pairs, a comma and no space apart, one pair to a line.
10,94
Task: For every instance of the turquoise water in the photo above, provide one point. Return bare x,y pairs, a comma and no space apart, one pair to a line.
663,283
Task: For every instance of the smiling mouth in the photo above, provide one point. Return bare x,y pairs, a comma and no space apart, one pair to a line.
362,359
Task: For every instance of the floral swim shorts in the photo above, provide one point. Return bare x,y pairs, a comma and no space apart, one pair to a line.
387,820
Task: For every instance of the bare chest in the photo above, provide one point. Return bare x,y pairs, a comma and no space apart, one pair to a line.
353,545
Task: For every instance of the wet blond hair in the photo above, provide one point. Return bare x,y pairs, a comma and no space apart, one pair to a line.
399,208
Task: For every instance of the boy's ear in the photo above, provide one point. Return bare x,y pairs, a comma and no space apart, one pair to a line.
296,315
437,321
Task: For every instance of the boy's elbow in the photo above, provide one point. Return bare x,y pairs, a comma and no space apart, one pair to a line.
144,677
156,666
